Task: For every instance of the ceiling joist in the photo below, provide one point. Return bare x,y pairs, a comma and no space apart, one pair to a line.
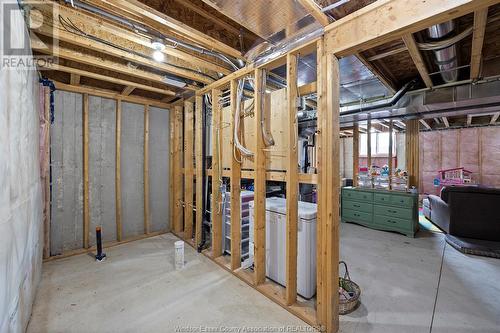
312,8
417,59
480,20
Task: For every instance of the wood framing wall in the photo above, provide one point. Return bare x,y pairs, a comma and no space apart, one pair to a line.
102,158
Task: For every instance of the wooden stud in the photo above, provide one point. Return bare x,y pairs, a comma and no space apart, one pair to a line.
480,20
369,144
331,210
188,169
216,175
445,121
177,170
47,207
292,184
355,154
494,118
127,90
199,168
416,56
312,8
469,119
86,203
412,152
118,184
390,150
74,79
147,214
259,187
235,186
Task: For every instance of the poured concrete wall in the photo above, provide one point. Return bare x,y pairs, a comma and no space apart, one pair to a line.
21,199
102,127
159,168
132,169
67,170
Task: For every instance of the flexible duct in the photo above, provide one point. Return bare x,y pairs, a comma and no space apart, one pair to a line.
445,58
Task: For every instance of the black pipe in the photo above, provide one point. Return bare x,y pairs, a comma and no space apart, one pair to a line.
100,255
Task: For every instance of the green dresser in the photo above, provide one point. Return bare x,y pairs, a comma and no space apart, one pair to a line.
381,209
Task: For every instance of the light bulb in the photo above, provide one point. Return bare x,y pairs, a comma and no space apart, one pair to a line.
158,56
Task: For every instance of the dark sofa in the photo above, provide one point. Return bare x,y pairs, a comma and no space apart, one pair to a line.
468,211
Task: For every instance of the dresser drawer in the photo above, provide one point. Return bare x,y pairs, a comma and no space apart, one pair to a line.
356,216
393,222
402,201
402,213
358,206
357,195
382,198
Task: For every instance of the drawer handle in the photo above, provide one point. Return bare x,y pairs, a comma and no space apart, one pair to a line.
391,221
392,211
356,214
357,206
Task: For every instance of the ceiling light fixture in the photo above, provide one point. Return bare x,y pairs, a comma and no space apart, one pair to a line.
174,82
158,56
158,46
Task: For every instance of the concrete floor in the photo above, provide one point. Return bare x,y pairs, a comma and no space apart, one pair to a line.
408,285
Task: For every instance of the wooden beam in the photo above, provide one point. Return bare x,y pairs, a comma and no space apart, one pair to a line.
86,192
129,85
387,53
199,168
355,154
445,121
494,118
235,186
89,59
292,184
74,79
383,77
188,169
144,60
109,94
127,90
217,175
118,184
384,21
369,144
176,156
480,20
417,59
147,214
423,122
312,8
165,24
259,186
469,119
391,144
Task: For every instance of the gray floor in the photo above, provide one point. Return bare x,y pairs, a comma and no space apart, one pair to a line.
138,290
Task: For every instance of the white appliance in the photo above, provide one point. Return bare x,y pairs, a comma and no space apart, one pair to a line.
276,244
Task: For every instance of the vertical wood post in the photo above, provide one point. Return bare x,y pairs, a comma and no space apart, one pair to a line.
330,212
86,210
46,176
147,215
118,184
292,184
199,168
369,144
259,187
177,167
235,187
188,169
216,175
355,154
412,151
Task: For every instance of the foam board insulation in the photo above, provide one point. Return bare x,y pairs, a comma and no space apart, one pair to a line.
132,169
67,170
159,168
21,203
102,128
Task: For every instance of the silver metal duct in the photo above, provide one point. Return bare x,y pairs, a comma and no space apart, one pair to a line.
446,59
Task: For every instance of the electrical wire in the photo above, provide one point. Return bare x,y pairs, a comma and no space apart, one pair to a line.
268,138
